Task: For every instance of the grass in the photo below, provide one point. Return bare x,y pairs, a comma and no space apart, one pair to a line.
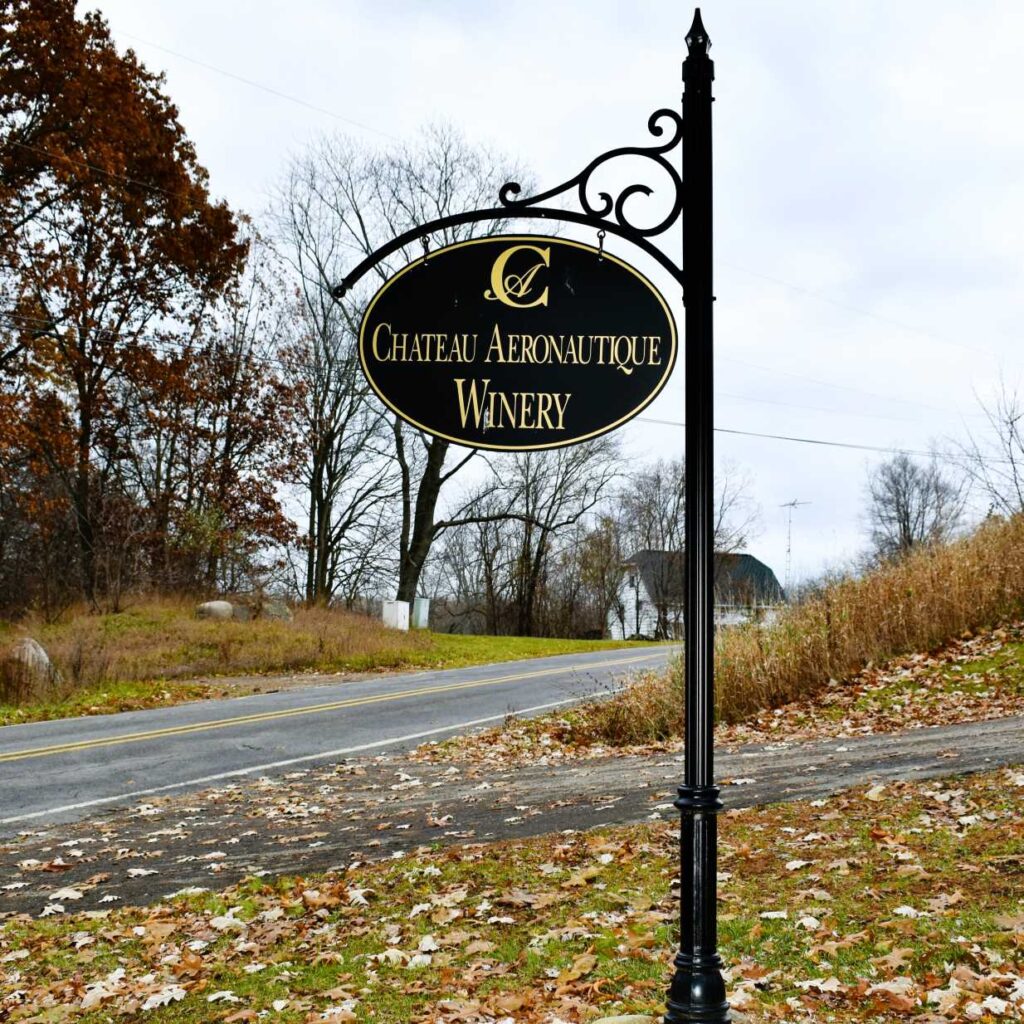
915,605
158,653
889,899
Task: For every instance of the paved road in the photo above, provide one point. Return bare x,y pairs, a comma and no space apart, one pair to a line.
65,770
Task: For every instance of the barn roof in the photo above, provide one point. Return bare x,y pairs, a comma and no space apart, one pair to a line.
739,578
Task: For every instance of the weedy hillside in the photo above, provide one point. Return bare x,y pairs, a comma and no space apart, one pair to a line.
157,652
926,599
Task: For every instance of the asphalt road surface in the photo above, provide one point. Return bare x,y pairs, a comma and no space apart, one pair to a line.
66,770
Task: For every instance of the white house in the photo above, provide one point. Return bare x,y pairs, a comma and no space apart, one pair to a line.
650,597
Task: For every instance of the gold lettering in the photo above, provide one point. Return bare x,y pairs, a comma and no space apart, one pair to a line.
482,408
508,409
513,342
525,408
475,401
544,401
560,407
617,357
495,345
506,288
373,343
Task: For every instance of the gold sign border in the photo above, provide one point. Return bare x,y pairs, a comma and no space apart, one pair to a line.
488,239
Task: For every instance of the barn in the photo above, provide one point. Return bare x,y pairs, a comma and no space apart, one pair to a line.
649,602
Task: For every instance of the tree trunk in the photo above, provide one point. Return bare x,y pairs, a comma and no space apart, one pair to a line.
421,533
81,501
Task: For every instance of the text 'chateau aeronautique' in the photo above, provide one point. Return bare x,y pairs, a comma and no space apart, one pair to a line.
525,410
526,355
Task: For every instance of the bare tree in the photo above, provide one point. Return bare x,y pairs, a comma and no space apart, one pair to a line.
204,442
345,469
911,504
470,574
553,490
994,461
367,198
601,566
513,557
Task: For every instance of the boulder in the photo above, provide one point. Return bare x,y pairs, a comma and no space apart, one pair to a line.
26,670
275,608
215,610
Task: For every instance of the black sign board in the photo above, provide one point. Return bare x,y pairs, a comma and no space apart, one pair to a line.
517,342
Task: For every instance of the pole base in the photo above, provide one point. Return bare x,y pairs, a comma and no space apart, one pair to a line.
697,993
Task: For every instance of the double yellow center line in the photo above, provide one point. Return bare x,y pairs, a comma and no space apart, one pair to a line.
269,716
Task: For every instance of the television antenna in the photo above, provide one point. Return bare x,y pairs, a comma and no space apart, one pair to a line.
789,536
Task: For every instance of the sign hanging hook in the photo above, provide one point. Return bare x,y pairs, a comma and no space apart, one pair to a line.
600,243
425,242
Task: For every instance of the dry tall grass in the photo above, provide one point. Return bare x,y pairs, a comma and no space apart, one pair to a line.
162,639
917,604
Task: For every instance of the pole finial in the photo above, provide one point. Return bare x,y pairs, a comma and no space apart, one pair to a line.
697,40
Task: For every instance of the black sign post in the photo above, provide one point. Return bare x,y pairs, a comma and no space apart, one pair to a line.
697,991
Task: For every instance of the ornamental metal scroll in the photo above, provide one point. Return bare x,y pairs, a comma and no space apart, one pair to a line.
606,213
616,206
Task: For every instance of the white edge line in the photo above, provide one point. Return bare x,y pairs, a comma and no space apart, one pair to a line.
238,772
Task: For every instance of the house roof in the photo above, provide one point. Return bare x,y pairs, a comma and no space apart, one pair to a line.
739,578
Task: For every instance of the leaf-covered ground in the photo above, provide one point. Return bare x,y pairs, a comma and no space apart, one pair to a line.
880,904
971,679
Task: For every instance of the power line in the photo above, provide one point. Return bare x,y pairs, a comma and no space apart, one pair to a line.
98,169
838,387
181,347
815,441
813,408
264,88
891,322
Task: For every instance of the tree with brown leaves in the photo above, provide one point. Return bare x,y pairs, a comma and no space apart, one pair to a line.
108,229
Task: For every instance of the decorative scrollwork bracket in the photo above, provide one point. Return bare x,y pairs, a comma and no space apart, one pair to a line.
610,211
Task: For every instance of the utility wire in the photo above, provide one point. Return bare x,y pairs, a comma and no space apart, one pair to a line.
263,88
167,342
813,408
889,321
100,170
837,387
179,348
171,344
173,347
818,441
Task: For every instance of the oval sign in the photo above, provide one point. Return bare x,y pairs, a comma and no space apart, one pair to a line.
517,342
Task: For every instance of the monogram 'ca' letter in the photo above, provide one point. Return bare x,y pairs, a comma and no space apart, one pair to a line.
508,288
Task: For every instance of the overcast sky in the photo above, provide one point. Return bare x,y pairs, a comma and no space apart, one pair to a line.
869,187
